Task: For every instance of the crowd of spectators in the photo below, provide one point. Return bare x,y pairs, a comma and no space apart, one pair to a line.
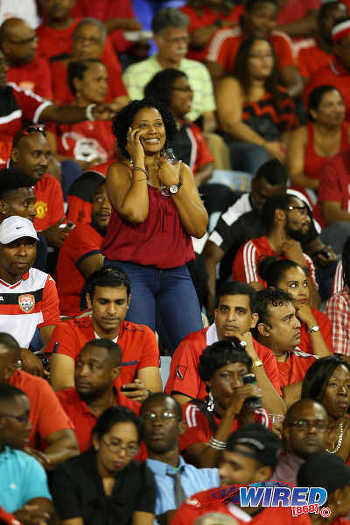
174,260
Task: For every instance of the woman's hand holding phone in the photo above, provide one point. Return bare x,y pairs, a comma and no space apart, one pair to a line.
134,146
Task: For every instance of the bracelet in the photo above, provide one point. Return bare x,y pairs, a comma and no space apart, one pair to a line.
215,443
139,169
140,180
88,112
257,363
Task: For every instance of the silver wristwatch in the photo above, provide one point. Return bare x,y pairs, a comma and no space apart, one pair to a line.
314,329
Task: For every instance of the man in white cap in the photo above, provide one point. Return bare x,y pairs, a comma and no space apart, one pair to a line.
28,297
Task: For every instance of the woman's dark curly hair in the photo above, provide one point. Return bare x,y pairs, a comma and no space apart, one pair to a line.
241,69
159,88
123,120
317,377
220,354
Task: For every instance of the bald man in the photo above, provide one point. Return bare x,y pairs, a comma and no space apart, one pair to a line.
18,42
305,432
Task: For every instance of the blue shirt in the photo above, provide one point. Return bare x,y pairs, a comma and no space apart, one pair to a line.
193,480
22,478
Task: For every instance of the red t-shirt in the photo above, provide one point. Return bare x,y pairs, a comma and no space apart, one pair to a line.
198,429
334,75
245,264
85,138
82,242
311,58
81,416
49,203
293,10
16,106
325,328
105,10
295,368
335,180
204,17
35,76
138,344
184,377
53,41
225,43
210,501
46,414
313,162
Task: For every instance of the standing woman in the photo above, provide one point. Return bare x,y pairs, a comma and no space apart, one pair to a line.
156,210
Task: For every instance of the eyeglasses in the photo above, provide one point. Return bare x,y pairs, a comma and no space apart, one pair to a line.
129,450
303,424
184,89
258,55
20,419
164,416
25,42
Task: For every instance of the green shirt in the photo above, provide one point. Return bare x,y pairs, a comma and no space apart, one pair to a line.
137,76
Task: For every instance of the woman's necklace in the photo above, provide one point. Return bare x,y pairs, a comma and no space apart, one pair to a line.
340,440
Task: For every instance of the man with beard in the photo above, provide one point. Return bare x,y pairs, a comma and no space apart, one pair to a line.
287,224
80,255
176,480
97,368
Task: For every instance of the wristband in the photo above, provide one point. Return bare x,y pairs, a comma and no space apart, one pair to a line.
88,112
137,168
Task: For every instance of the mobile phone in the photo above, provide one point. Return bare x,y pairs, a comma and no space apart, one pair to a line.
252,402
128,388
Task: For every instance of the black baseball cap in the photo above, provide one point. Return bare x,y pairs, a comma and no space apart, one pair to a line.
265,445
324,470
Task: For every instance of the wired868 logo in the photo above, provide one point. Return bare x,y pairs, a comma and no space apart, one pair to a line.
301,500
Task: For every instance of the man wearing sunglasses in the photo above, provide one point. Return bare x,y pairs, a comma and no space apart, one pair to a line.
287,224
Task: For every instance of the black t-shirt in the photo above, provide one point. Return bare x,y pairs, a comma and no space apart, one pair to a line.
77,491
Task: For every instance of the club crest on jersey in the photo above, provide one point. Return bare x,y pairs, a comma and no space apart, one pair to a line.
26,302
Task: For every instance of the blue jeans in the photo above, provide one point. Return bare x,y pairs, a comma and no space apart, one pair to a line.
245,156
164,300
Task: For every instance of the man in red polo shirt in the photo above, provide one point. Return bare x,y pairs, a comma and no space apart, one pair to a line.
97,368
26,68
30,154
337,72
108,297
259,20
81,255
278,328
287,223
51,438
234,317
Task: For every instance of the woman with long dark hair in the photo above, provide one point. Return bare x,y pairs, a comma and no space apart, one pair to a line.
255,113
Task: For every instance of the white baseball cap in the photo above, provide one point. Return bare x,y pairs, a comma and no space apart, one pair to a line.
16,227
